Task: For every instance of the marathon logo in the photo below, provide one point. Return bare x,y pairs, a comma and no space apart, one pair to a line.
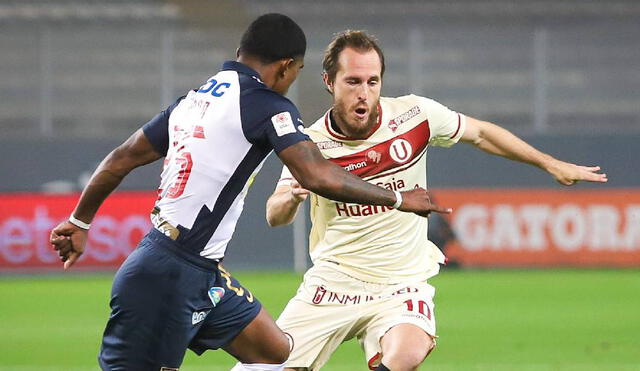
355,166
394,123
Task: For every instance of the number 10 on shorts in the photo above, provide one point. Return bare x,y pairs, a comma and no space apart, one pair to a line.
422,307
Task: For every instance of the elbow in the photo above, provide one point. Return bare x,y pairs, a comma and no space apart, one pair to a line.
317,184
271,220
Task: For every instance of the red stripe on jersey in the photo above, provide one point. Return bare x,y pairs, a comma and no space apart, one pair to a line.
395,152
342,137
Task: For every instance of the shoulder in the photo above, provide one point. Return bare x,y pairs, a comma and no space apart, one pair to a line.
318,130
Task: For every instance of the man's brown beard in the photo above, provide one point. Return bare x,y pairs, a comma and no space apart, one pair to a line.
360,132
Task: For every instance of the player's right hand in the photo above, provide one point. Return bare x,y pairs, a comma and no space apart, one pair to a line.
298,193
418,201
69,240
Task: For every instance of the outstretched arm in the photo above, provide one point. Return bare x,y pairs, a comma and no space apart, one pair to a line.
68,238
498,141
329,180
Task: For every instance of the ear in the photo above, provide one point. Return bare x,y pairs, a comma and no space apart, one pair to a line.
327,82
238,53
285,65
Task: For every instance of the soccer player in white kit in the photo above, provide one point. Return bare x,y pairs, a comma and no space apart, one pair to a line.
371,263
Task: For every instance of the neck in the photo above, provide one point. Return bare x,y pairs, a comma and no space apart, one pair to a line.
267,72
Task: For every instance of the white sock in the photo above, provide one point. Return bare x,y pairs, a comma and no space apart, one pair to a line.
257,367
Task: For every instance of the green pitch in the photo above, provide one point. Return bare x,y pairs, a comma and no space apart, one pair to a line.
548,320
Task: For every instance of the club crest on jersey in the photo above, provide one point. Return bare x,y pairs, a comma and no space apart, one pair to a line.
397,121
283,124
216,294
400,150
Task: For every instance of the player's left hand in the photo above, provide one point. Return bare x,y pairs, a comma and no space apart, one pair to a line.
69,240
568,174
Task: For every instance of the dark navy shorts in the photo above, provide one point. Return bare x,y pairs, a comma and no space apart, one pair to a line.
164,301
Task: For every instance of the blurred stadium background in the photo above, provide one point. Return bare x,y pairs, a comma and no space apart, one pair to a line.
78,77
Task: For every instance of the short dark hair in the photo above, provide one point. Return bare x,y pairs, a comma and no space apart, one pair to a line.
272,37
358,40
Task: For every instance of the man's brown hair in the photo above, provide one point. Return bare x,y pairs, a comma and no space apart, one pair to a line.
357,40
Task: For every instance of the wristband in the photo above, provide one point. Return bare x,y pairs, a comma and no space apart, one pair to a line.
79,223
398,200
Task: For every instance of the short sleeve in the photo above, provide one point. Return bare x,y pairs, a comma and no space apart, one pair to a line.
446,126
285,177
157,129
271,120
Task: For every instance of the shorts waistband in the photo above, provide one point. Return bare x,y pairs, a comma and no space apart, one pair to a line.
168,243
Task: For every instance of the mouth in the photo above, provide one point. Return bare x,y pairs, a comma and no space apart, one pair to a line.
361,112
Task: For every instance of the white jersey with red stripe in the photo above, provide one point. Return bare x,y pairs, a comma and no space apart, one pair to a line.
377,243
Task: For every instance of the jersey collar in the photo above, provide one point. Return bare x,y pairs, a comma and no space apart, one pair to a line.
240,67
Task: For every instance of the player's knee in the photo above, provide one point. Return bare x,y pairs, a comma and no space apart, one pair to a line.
281,349
408,358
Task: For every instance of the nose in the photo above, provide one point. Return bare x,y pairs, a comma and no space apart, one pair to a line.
363,92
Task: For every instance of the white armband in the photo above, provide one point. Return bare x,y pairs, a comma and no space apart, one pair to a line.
79,223
398,200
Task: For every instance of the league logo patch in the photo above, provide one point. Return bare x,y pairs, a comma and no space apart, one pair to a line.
283,123
216,294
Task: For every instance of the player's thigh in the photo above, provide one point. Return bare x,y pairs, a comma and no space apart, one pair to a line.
154,296
410,305
239,325
260,342
316,331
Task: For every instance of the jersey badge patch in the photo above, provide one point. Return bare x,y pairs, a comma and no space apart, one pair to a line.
216,294
394,123
283,124
374,156
400,150
328,144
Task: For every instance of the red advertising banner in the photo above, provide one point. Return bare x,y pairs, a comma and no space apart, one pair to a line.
26,220
533,227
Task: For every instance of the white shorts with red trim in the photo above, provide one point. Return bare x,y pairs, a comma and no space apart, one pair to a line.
331,307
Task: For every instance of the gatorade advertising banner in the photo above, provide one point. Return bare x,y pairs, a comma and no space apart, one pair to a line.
505,227
27,219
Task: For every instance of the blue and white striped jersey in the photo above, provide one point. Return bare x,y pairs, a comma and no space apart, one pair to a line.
215,141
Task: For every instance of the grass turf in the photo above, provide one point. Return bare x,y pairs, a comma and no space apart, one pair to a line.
548,320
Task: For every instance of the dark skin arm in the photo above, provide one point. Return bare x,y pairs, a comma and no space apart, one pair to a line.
329,180
70,240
